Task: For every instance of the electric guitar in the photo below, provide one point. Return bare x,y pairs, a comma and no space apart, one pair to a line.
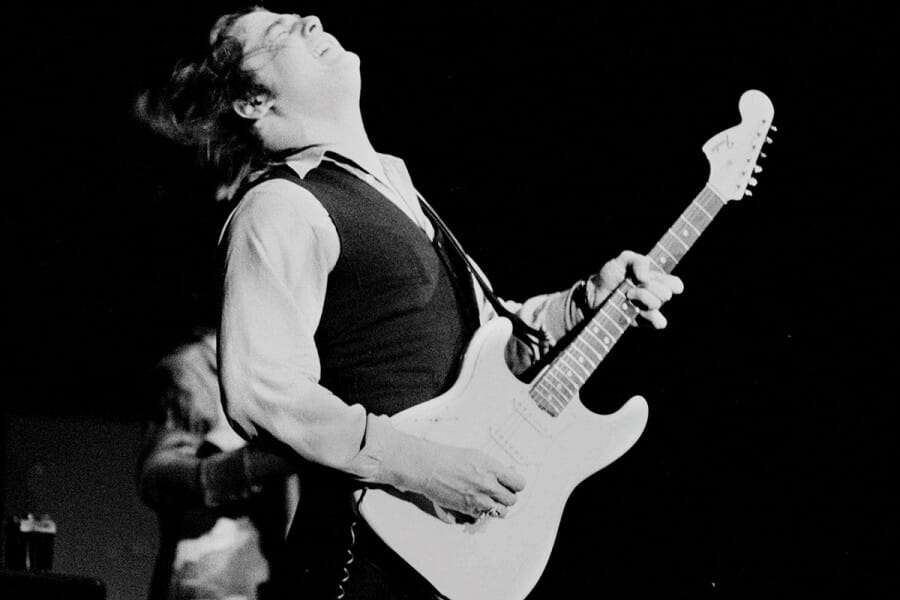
541,427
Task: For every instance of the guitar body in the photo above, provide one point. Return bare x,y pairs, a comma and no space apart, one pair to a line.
490,410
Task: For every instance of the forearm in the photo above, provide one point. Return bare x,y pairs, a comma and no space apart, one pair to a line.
391,457
555,313
281,247
168,476
172,478
302,417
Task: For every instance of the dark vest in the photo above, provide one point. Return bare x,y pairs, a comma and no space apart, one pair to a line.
399,310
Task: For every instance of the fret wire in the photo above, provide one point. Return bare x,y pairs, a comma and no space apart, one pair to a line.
537,396
711,201
619,331
681,241
696,219
548,394
539,399
578,353
569,356
568,360
609,334
595,362
569,374
546,407
691,225
677,251
557,396
657,265
705,212
606,341
575,368
671,257
561,384
661,260
668,241
612,307
600,350
630,311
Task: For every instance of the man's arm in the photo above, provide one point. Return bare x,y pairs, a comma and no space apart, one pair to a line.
179,468
280,246
174,475
557,313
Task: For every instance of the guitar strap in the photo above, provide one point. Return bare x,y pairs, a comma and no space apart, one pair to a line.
535,338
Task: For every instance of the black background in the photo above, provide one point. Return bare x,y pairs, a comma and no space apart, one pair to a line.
550,137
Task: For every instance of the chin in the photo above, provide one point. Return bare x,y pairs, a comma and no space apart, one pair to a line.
352,57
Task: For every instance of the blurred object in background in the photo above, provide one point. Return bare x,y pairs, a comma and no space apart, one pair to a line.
28,543
28,562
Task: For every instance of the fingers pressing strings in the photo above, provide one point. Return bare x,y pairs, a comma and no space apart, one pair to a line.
652,287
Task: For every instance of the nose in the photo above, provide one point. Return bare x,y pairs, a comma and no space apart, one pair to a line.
311,24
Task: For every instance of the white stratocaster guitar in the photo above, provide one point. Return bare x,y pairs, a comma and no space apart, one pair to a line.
541,428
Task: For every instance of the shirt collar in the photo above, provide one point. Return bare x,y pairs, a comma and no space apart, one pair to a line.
307,159
304,161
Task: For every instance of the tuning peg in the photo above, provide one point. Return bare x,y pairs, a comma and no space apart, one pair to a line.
773,128
762,155
753,181
768,140
748,193
757,169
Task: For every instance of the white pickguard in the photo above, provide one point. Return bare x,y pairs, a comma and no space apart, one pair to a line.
499,559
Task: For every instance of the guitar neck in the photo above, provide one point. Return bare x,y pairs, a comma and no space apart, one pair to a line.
559,383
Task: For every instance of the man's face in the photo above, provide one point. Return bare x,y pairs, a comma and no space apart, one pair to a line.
306,69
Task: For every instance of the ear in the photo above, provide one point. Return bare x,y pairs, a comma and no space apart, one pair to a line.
253,107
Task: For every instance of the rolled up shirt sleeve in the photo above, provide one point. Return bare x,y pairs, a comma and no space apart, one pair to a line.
553,313
279,247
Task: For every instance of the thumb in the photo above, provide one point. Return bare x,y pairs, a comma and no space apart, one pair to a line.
606,280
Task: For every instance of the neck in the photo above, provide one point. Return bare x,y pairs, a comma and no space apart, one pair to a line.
343,133
353,142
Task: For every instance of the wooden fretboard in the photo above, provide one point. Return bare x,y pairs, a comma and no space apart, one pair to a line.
561,380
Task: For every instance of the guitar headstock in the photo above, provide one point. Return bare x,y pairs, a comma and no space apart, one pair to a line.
733,153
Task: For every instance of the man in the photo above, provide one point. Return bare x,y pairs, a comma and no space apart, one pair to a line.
222,505
344,300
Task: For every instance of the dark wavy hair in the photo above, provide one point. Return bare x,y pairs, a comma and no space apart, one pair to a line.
195,106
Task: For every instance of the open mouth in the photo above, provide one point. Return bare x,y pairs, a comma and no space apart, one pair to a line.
325,44
321,50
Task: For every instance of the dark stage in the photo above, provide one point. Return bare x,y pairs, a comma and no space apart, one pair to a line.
550,137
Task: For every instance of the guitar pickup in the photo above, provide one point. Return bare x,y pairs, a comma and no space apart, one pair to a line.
507,444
